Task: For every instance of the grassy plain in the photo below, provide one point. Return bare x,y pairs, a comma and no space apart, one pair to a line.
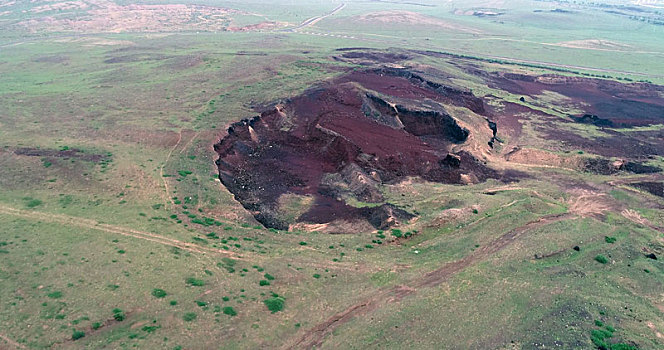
138,206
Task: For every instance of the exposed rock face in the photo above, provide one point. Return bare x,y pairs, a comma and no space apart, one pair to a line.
338,144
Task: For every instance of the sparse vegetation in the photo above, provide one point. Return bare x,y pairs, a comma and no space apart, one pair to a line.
196,282
189,316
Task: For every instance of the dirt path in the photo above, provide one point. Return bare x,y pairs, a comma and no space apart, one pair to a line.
313,20
11,343
161,171
94,225
314,337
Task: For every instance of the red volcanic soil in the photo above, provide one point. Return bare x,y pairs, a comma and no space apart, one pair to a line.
656,188
344,139
622,104
338,143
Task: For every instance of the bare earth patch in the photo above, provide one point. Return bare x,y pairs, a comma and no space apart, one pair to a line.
412,19
594,44
101,16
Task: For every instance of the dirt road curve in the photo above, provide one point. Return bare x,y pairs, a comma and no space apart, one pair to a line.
314,337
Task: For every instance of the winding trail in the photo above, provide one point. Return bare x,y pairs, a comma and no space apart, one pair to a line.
314,337
95,225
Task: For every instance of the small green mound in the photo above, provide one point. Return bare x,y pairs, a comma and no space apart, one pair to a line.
275,303
601,259
118,315
192,281
77,335
159,293
228,310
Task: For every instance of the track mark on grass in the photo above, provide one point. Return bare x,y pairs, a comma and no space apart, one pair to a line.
11,342
314,337
161,171
94,225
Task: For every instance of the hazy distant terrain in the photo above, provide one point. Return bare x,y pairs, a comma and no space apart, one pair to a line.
331,174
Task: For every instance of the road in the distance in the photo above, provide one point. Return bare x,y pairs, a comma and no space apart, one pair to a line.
314,20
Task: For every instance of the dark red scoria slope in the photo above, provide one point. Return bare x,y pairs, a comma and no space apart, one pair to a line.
345,139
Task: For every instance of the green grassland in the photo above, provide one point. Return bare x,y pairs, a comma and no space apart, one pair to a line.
148,229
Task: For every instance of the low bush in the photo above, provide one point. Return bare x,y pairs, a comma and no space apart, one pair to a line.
159,293
275,303
228,310
118,315
189,316
192,281
77,335
601,259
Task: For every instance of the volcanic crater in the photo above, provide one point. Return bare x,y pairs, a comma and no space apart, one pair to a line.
320,160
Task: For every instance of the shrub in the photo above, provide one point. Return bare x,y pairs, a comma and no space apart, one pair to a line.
159,293
601,259
268,277
118,315
608,239
192,281
96,325
303,243
77,335
597,337
264,283
189,316
55,295
201,303
150,329
316,275
33,203
173,302
599,323
228,310
397,233
225,298
228,261
275,303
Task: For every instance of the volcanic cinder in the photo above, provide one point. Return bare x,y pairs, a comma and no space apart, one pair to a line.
322,157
